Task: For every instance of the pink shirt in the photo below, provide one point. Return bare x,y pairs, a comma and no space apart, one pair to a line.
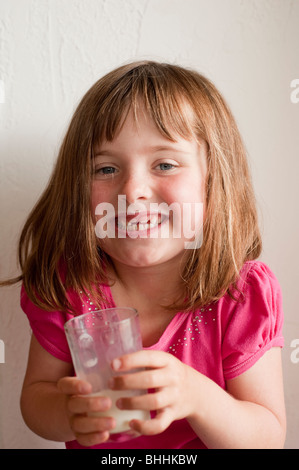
221,341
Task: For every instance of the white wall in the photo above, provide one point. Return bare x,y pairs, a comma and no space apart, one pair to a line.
51,51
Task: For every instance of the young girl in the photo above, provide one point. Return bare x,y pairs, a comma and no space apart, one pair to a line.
210,314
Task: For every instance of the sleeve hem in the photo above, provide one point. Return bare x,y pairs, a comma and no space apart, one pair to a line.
239,369
62,356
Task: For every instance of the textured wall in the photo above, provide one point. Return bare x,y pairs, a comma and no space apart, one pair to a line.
51,51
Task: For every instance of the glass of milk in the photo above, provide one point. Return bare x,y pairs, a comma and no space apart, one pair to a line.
95,339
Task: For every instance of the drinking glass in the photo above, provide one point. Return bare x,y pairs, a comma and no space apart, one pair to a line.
95,339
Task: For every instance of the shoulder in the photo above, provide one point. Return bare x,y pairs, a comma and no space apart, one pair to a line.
256,280
260,293
252,324
258,274
48,326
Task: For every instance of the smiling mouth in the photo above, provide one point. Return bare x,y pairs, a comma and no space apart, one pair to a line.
139,223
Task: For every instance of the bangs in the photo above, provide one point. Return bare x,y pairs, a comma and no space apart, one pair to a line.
161,91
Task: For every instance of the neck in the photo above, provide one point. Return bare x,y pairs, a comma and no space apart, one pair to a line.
158,284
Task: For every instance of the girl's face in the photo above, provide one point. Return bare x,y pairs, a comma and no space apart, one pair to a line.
147,193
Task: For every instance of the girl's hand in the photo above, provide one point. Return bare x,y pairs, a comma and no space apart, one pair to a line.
88,430
172,381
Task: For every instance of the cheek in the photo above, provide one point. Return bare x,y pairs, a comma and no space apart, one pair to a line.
187,195
187,189
98,195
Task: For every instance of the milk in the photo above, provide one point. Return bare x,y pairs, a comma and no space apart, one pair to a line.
122,417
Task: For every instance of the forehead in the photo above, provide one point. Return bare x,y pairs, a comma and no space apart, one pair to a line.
139,129
166,123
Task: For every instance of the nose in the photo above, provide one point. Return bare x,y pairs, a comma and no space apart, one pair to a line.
136,186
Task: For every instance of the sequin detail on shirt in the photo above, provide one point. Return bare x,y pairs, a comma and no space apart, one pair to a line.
200,319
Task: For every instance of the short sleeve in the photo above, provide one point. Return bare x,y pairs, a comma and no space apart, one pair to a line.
48,328
255,324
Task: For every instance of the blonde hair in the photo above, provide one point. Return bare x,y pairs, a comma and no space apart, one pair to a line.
58,248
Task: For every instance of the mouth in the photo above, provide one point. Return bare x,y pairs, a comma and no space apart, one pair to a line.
139,224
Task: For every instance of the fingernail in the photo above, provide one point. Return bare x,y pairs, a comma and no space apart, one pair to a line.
119,404
106,403
116,364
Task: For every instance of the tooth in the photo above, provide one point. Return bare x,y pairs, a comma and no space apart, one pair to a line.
143,224
154,219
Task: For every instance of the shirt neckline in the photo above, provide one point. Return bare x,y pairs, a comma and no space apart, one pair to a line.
174,323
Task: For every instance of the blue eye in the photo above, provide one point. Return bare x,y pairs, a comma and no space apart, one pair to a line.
106,170
166,166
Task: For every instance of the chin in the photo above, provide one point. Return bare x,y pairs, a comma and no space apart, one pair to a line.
145,256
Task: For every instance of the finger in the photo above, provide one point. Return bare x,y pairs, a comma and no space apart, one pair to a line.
73,386
141,359
150,402
154,426
92,439
87,425
80,404
144,380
